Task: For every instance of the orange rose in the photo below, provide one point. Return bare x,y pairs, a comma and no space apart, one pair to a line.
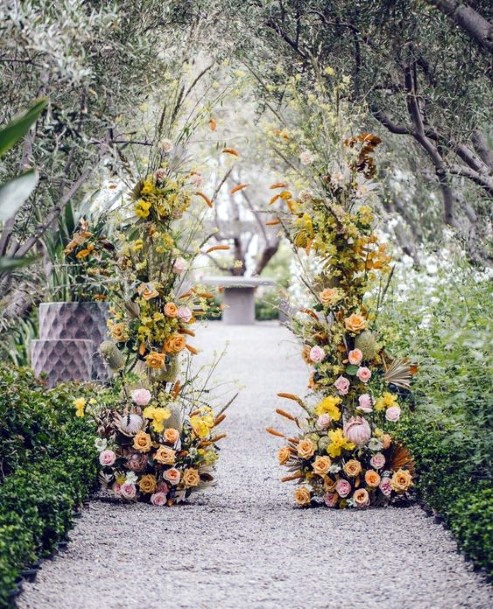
372,478
355,323
283,455
155,360
165,455
321,465
401,481
306,448
329,485
191,477
142,442
170,309
302,496
148,483
175,344
352,468
171,435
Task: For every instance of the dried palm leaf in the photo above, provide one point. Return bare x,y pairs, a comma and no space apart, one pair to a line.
398,372
401,458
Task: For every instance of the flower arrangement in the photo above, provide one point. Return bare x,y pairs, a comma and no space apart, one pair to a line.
344,453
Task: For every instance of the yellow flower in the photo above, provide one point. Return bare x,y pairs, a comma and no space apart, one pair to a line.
119,332
137,245
389,399
142,208
79,405
338,443
158,416
199,426
329,406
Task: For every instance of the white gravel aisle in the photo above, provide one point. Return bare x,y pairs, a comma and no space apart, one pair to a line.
242,544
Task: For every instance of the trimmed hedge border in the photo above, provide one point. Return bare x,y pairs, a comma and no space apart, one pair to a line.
49,458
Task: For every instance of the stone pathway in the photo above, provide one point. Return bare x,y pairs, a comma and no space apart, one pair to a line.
242,544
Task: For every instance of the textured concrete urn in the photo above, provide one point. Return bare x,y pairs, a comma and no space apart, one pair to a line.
69,337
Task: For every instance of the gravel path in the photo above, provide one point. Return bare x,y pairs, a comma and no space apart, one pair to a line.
242,545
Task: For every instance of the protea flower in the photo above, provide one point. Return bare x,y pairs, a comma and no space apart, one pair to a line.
357,430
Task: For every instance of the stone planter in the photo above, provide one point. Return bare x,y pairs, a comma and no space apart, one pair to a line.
68,333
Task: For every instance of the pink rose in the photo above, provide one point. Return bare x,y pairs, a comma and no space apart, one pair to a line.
116,488
323,421
377,461
343,487
141,397
160,174
158,499
365,403
107,458
197,179
179,266
162,487
355,356
364,374
386,487
184,314
393,414
128,490
172,475
317,354
331,499
342,385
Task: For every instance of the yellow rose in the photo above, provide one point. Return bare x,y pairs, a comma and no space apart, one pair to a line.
119,332
175,344
372,478
306,448
302,496
155,360
191,477
401,481
147,483
355,323
200,427
142,442
165,455
283,455
170,309
321,465
352,468
171,435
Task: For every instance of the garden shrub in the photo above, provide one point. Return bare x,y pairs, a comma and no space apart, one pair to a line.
48,467
445,322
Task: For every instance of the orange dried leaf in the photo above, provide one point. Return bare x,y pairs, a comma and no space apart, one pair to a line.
231,151
192,350
212,124
216,248
273,222
237,188
285,414
278,185
294,476
218,420
274,432
205,198
274,199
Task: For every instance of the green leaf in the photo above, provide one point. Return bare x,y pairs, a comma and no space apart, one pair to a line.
352,370
15,192
10,264
17,128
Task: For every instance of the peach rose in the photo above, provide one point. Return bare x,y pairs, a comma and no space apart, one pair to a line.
191,477
329,296
147,484
170,309
372,478
155,360
302,496
142,442
352,468
364,374
165,455
361,498
171,435
147,291
172,475
355,356
119,332
306,448
355,323
283,455
401,480
386,440
321,465
175,344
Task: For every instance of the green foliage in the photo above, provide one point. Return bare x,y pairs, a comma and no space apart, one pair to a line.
47,467
266,309
445,322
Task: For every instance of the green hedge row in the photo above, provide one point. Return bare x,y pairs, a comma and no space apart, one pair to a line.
48,467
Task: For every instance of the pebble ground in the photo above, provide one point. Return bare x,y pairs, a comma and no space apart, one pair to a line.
242,544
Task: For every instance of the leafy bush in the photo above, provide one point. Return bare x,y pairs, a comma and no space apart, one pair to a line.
48,467
445,322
